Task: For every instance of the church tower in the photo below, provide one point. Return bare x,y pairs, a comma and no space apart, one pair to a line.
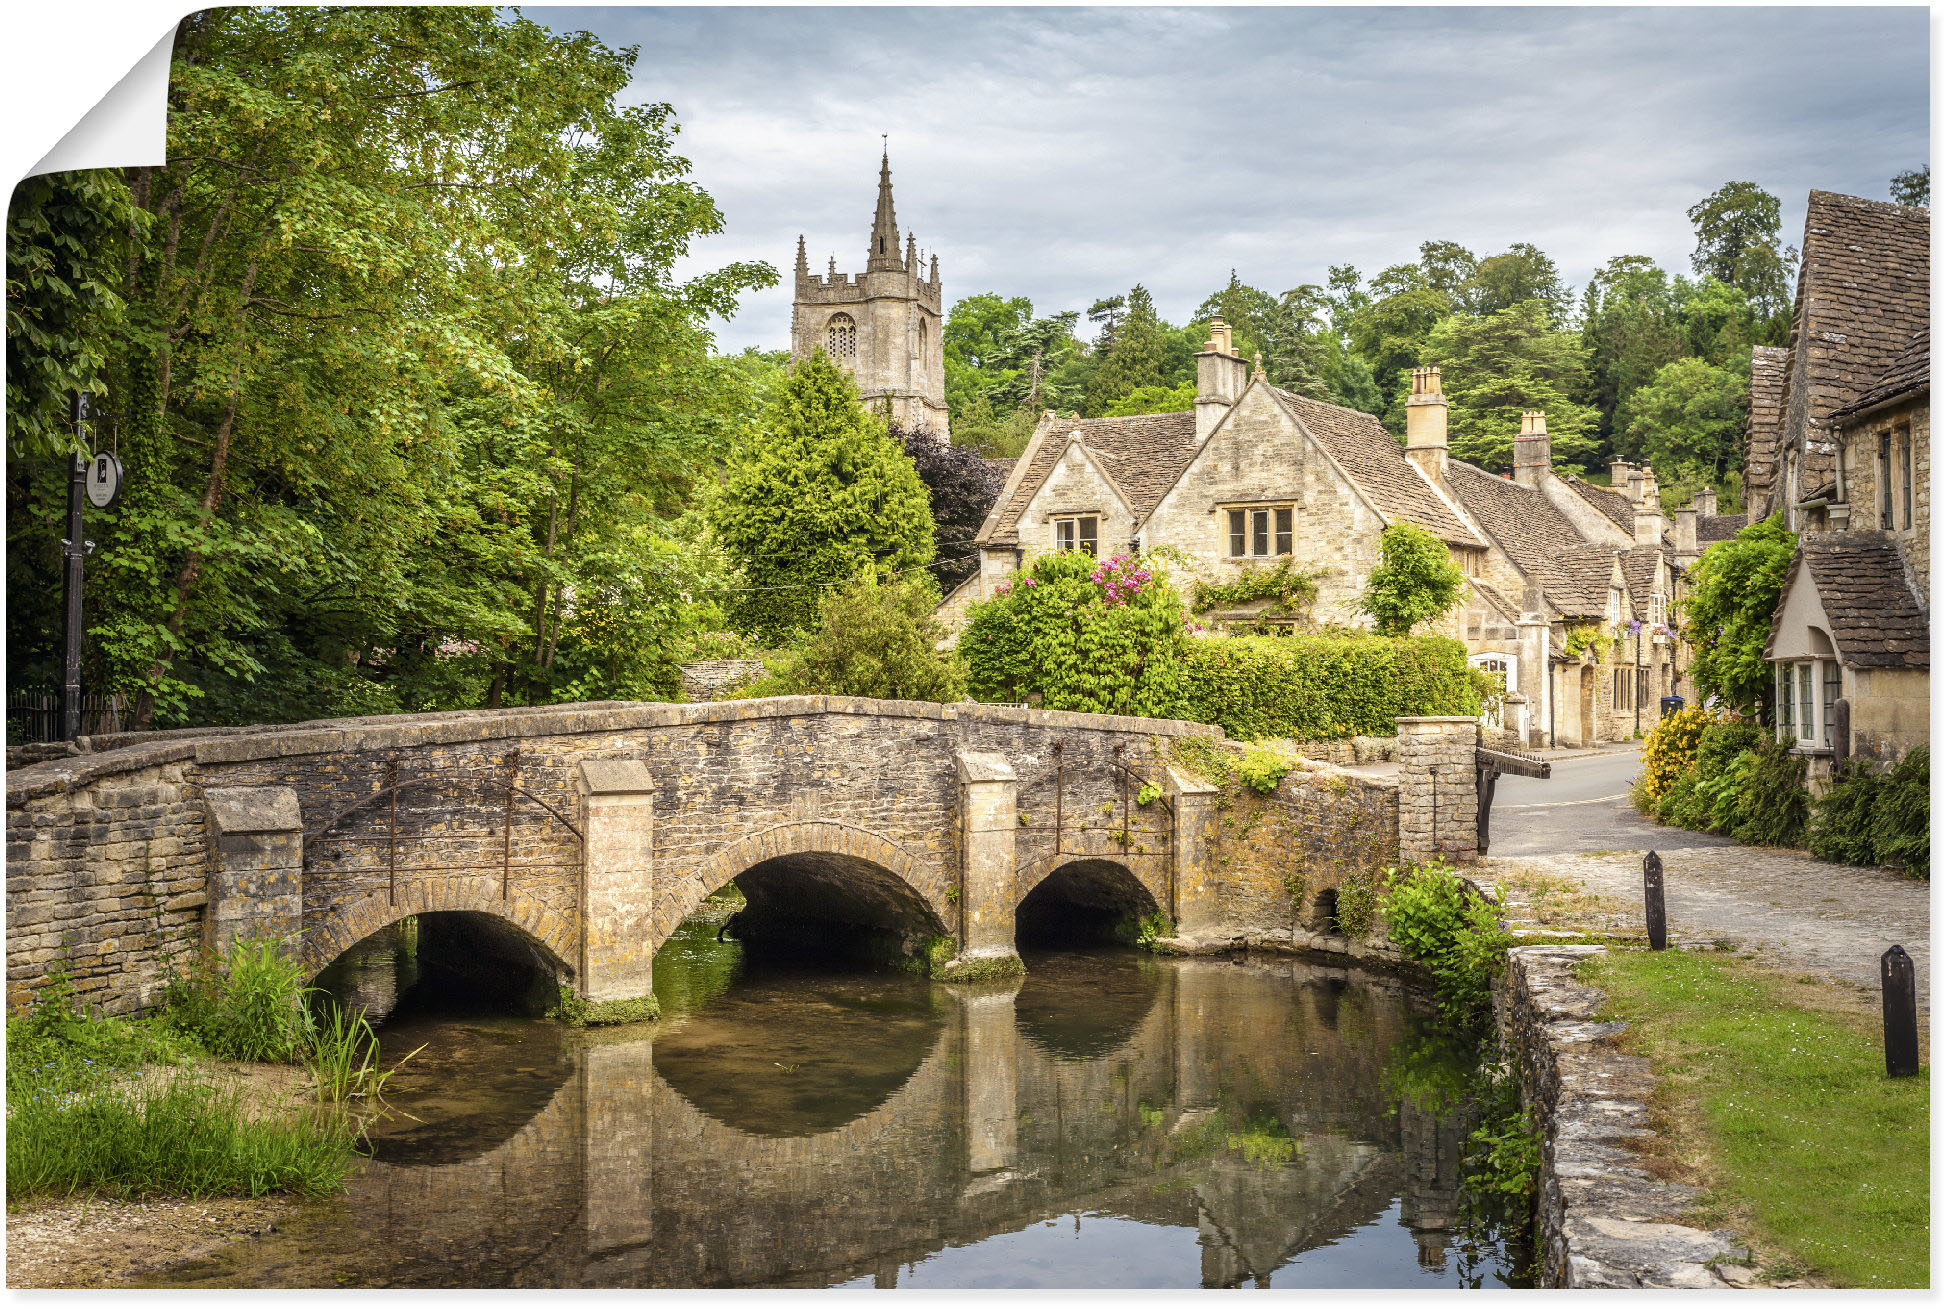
881,325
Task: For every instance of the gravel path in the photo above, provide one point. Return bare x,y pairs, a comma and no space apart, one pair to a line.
1791,910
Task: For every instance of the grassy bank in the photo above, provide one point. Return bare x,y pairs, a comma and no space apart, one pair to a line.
1775,1102
132,1107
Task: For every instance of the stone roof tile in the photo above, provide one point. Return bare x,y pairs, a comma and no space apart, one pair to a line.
1906,375
1718,527
1378,465
1144,454
1531,532
1876,621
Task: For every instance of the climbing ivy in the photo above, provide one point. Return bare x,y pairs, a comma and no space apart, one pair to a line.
1292,589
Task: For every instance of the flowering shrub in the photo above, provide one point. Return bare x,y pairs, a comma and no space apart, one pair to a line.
1077,633
1670,749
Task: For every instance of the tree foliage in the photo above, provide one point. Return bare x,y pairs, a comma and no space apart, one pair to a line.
1734,589
961,485
1738,241
1500,365
1688,420
873,639
1912,188
1415,580
823,493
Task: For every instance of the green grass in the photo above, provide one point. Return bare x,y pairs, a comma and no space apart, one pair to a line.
1775,1101
187,1139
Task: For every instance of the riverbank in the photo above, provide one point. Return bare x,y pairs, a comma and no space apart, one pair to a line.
96,1242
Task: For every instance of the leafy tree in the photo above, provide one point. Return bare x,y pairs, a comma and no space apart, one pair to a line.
873,639
822,495
1242,307
1076,633
999,434
1688,419
1738,240
1520,274
1733,591
67,238
1449,269
1390,331
1031,355
1499,365
1137,357
1107,312
1630,326
1717,322
404,353
1414,580
1912,188
962,485
1155,400
973,342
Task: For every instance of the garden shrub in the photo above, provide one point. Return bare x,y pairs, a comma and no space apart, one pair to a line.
246,1004
1678,804
1721,742
1722,794
1357,898
1321,686
1670,749
1774,809
1900,820
1415,579
1262,768
1439,921
1839,828
1077,633
873,639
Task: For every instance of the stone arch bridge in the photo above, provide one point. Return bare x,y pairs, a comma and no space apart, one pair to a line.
583,835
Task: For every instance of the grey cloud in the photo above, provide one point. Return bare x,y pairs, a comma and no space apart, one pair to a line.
1063,154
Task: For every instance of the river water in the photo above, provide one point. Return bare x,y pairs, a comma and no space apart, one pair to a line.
1111,1120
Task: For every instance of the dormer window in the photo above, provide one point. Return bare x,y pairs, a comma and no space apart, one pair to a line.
840,337
1080,533
1261,531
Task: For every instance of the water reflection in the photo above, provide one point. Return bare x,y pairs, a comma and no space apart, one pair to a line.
1111,1120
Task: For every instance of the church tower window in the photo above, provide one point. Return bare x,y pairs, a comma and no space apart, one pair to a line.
840,337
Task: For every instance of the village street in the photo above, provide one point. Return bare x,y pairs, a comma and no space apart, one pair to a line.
1789,908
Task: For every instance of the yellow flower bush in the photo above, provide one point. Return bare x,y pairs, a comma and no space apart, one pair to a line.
1670,747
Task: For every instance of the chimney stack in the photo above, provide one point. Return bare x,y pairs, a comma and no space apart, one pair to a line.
1617,475
1687,533
1425,415
1221,375
1704,501
1649,522
1531,450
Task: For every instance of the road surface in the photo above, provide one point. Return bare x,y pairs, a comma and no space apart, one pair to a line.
1582,807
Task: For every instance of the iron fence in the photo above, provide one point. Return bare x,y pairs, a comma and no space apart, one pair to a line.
34,714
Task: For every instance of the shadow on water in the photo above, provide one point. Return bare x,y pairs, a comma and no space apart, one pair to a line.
1112,1119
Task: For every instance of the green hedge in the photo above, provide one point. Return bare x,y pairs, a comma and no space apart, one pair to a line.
1317,686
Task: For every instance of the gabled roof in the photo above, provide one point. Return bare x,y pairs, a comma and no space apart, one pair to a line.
1906,375
1876,621
1768,387
1718,527
1530,530
1371,457
1614,505
1142,454
1586,574
1864,290
1640,566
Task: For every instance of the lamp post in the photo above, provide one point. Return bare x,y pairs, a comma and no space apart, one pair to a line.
73,550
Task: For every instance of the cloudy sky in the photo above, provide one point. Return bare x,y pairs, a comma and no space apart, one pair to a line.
1065,154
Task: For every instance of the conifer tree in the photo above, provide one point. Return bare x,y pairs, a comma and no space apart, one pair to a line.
1136,358
823,494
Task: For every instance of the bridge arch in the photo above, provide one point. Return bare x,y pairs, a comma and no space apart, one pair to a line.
819,870
1083,899
553,933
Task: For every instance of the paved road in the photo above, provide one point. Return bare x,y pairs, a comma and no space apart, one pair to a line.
1793,910
1582,807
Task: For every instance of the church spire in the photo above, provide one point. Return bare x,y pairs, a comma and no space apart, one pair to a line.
884,229
803,260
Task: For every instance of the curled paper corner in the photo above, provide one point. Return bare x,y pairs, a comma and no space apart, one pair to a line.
127,128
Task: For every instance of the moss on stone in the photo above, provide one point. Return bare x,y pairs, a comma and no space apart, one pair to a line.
576,1011
959,970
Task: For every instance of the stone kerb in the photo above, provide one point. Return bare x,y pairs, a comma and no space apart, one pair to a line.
1437,804
256,881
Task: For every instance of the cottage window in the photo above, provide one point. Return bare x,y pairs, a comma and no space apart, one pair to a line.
840,337
1806,692
1832,680
1623,689
1657,608
1885,518
1267,531
1903,470
1080,533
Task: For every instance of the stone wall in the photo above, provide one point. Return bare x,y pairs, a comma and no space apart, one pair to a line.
1438,810
1604,1222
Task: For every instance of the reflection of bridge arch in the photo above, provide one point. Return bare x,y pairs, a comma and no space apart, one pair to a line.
339,932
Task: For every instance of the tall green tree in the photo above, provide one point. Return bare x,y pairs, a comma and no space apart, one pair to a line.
1630,326
1498,365
1738,240
1687,421
1137,357
405,350
1734,589
821,496
1912,188
1521,273
1390,331
1244,308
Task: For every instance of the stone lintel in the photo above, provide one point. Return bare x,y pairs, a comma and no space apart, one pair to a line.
615,777
254,810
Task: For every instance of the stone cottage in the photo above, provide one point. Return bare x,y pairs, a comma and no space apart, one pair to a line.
1571,583
1839,445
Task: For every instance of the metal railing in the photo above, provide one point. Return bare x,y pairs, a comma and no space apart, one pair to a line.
34,714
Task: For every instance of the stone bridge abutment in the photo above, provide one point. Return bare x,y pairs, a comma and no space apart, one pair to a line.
591,832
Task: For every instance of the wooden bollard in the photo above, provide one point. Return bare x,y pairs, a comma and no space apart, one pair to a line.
1656,902
1899,1013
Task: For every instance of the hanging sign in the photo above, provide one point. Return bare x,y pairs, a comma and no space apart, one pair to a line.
104,481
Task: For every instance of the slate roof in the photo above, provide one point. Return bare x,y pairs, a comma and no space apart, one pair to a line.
1768,385
1587,574
1531,532
1638,565
1718,527
1144,454
1875,620
1378,465
1906,375
1863,291
1614,505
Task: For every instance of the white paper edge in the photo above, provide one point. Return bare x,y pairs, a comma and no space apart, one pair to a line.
127,128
